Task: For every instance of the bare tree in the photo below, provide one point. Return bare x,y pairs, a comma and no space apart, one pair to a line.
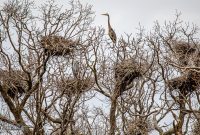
55,63
177,51
29,53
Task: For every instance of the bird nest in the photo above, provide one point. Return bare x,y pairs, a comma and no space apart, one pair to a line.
127,71
185,52
196,128
74,86
13,82
57,45
139,127
186,83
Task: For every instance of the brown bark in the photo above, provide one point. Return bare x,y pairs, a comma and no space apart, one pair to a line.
112,115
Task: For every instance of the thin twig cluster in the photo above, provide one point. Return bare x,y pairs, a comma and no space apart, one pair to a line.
58,45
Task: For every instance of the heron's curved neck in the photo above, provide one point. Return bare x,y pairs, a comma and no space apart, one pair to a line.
109,22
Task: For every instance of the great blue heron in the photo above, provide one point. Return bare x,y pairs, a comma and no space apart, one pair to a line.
111,32
75,68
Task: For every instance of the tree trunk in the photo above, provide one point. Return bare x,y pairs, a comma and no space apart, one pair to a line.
112,115
179,127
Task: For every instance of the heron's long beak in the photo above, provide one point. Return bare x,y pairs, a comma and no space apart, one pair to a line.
103,14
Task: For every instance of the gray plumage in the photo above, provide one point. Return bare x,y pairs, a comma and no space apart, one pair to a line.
111,32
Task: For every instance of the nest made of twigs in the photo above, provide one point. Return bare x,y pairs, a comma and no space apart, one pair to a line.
196,59
186,83
139,127
196,127
13,82
58,45
185,52
127,71
183,47
74,86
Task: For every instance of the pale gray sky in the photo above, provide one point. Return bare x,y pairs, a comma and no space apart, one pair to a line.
127,14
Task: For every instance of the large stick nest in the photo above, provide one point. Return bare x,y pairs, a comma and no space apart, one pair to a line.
196,128
57,45
74,86
13,82
139,127
187,53
127,71
186,83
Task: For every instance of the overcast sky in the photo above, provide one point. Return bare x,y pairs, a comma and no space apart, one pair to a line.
127,14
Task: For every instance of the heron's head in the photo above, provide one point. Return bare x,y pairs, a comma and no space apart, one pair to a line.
106,14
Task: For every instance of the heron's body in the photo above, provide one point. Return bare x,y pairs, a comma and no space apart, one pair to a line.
75,68
111,32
